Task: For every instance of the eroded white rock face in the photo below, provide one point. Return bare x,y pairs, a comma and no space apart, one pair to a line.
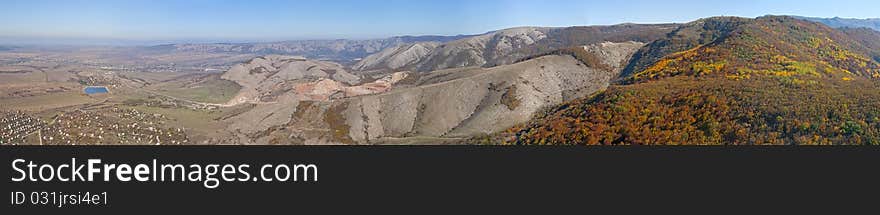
445,103
327,89
482,101
482,50
516,38
614,54
396,57
265,78
495,48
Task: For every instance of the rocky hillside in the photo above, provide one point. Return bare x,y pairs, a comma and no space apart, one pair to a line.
505,46
867,37
263,79
444,104
726,80
482,50
396,57
485,101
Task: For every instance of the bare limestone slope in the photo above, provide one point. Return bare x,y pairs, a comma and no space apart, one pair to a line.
444,104
280,89
396,57
502,47
495,48
263,79
488,100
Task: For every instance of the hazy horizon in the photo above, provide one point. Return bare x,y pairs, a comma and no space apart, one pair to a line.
138,22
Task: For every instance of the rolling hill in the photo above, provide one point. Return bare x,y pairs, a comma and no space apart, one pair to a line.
728,80
867,37
299,101
505,46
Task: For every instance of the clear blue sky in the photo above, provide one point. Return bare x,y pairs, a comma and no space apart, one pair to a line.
326,19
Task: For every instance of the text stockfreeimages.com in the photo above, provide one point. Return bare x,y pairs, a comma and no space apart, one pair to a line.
210,175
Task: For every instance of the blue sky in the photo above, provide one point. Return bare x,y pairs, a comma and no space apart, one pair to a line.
353,19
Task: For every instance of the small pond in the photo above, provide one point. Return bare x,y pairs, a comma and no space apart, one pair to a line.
96,90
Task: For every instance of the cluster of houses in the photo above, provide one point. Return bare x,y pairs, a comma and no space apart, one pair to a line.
116,126
16,127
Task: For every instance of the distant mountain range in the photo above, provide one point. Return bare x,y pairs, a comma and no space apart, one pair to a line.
423,53
428,53
504,46
343,51
837,22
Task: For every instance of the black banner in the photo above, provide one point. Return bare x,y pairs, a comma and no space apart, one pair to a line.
439,178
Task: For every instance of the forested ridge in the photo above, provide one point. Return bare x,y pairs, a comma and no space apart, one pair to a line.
727,80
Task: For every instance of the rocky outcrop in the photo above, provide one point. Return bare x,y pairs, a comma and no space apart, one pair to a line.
504,47
327,89
494,48
290,99
396,57
612,54
263,79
